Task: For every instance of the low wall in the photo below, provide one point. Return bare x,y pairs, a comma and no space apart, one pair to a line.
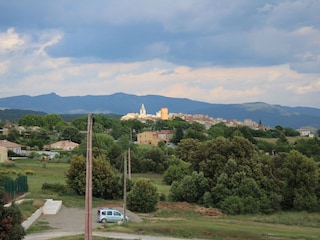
27,223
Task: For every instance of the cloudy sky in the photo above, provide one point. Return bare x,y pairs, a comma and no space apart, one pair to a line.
215,51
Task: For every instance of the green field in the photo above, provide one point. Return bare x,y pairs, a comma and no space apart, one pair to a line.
183,222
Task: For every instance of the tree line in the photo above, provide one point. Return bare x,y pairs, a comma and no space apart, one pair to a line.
230,168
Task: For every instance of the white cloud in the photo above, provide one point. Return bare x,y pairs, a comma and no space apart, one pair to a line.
10,41
213,51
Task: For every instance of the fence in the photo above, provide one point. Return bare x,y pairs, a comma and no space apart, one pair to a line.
15,188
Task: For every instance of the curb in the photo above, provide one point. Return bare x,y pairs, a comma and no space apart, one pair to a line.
50,207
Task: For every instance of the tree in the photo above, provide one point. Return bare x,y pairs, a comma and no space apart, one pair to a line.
71,133
10,221
176,172
101,145
301,177
104,183
157,159
31,120
51,120
143,196
190,189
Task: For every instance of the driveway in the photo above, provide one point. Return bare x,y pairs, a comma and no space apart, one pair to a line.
71,221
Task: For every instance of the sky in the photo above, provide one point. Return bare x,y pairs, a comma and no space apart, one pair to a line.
215,51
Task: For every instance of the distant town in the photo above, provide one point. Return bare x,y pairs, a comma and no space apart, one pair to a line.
163,114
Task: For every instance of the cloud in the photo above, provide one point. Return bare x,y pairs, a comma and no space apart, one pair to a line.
10,41
213,51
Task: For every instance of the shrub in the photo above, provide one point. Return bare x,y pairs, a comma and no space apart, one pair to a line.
191,188
28,172
55,187
232,205
175,173
143,196
103,179
10,221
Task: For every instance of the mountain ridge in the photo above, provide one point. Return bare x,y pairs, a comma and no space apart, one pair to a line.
122,103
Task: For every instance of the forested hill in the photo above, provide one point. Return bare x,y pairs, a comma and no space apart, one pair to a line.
122,103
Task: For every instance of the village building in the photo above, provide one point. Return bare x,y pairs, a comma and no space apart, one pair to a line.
153,138
14,147
65,145
3,154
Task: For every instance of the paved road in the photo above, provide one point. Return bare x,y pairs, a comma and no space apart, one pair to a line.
70,221
50,235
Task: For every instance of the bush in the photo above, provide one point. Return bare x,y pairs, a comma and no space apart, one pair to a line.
175,173
232,205
10,221
143,196
103,179
28,172
191,189
55,187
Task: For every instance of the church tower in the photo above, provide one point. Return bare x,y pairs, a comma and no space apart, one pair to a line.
143,111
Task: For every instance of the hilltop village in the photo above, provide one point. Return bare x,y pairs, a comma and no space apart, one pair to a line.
153,138
163,114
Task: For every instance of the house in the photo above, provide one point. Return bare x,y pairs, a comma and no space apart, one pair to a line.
307,131
153,138
3,154
66,145
14,147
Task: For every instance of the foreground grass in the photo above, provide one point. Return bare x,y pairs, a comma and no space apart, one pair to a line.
190,224
185,223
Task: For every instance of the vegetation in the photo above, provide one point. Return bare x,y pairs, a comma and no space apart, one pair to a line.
179,219
237,170
143,196
10,221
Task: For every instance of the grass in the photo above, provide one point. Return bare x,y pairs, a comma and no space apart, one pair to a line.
189,224
28,207
81,237
176,222
274,140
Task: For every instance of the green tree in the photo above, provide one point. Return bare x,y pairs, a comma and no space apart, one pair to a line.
309,147
71,133
159,161
177,135
301,177
190,189
104,184
10,221
220,130
31,120
102,145
51,120
176,172
143,196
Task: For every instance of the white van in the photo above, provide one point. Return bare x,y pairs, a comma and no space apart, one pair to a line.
105,215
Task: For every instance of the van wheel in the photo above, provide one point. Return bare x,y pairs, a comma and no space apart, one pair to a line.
104,220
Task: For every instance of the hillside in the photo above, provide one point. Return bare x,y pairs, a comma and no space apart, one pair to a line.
122,103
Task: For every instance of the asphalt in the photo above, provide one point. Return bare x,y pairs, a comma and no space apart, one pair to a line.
70,221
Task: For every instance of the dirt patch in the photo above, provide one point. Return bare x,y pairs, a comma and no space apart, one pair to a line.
209,212
175,205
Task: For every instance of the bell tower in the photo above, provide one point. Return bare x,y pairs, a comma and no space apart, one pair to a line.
143,111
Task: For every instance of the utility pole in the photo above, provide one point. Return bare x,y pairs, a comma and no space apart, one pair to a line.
88,217
129,155
125,188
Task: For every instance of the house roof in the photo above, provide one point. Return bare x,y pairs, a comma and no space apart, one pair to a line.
64,144
8,144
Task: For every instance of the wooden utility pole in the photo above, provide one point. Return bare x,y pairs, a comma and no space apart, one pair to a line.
129,155
125,188
88,217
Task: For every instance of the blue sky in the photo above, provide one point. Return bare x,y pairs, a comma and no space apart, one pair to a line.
215,51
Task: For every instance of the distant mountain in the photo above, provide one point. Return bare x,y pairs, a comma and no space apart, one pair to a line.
122,103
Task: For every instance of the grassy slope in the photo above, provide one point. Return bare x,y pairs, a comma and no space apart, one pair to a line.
183,222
